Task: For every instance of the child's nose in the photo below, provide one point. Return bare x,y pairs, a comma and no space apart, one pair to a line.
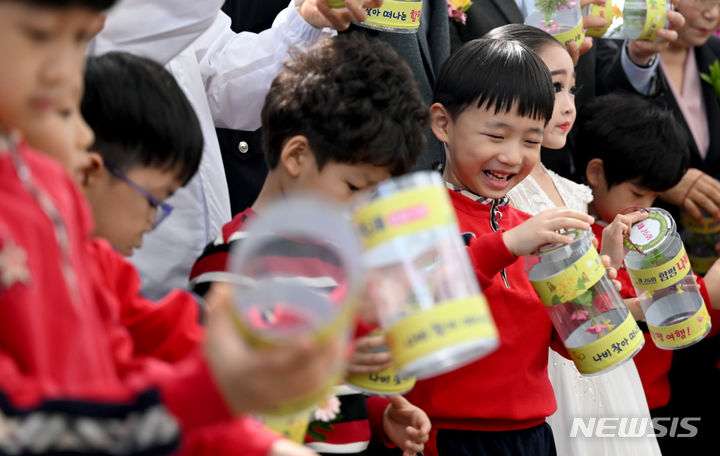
511,154
64,68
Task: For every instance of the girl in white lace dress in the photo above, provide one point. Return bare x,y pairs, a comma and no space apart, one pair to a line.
615,394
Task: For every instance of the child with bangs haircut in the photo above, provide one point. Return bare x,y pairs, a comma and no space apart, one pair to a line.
331,127
338,119
148,143
631,150
72,380
493,100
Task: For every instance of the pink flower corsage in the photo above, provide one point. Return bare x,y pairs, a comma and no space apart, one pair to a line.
457,9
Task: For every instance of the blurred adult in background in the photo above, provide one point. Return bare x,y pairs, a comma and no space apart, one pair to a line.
592,67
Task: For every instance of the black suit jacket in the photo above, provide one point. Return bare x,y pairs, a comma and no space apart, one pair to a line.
705,55
424,51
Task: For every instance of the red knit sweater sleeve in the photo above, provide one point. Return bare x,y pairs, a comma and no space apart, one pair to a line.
168,329
489,255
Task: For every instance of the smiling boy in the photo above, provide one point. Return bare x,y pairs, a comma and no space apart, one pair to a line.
493,100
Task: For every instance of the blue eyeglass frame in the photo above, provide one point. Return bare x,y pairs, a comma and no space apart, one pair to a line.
165,208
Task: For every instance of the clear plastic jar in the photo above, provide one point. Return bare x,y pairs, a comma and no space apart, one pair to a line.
660,270
701,239
560,18
420,277
398,16
586,310
630,19
297,274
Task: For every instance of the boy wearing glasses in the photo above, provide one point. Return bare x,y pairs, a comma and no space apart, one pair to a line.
148,143
148,130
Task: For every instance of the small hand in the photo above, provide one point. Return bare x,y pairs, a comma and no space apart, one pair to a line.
406,425
543,229
365,359
612,236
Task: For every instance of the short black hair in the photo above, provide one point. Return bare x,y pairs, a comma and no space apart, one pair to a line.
140,115
637,140
496,74
530,36
95,5
354,99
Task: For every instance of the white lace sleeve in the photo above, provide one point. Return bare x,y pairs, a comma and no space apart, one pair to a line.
576,196
528,197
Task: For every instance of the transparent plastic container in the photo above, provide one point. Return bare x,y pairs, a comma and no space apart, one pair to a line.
398,16
660,270
586,310
560,18
384,383
630,19
701,239
297,274
420,277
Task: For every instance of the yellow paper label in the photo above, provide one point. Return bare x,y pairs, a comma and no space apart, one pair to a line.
683,333
707,225
610,349
654,19
336,3
448,324
576,34
293,427
662,276
382,383
404,213
395,14
575,280
605,12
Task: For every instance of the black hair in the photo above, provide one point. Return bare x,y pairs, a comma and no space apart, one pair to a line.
496,74
637,140
95,5
355,101
140,115
532,37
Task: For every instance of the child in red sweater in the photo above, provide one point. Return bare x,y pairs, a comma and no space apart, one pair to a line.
64,355
332,127
630,151
493,100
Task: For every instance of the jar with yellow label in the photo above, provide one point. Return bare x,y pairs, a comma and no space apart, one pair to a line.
296,275
629,19
560,18
701,239
398,16
420,277
660,270
585,308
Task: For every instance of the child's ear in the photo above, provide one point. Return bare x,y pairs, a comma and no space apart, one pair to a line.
440,122
296,155
92,170
595,172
